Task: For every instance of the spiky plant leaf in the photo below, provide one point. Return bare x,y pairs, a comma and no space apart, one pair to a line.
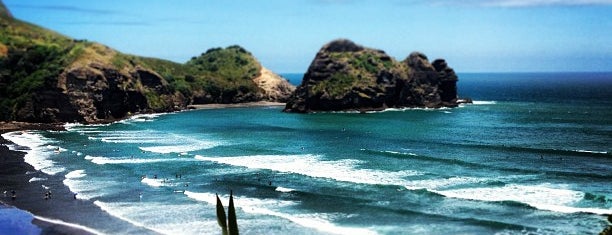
221,215
231,217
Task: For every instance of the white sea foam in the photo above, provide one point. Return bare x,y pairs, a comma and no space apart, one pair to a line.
71,225
153,182
244,201
441,183
82,127
312,165
33,179
148,117
163,218
318,221
113,210
407,109
154,141
543,197
194,146
39,153
144,117
482,102
284,190
106,160
87,189
591,151
75,174
395,152
133,139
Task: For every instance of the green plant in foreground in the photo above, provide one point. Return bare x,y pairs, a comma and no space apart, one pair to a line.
229,226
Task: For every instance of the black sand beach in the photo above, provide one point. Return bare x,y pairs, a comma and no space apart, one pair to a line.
59,214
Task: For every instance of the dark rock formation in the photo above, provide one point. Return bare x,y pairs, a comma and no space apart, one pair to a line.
94,93
347,76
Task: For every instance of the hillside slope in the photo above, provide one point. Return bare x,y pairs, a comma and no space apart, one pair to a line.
48,77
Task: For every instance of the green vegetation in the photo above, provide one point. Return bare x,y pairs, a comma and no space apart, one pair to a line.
33,58
223,72
229,227
361,70
338,85
27,70
233,63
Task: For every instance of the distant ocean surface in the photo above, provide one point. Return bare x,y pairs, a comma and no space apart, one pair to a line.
532,155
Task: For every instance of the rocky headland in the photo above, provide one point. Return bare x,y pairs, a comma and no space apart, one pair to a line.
46,77
345,76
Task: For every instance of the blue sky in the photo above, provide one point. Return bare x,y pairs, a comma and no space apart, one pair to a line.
472,35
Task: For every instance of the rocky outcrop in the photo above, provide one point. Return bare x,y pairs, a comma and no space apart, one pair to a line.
345,76
46,77
96,93
274,87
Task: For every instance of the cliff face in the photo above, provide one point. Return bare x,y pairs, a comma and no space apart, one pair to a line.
47,77
347,76
275,88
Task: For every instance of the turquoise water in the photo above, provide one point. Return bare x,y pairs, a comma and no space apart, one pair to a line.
526,158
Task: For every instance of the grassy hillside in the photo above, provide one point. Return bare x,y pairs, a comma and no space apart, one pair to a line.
361,69
30,57
34,59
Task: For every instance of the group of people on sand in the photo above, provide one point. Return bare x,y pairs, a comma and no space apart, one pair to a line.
46,196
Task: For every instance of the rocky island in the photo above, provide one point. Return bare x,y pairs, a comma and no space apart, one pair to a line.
46,77
345,76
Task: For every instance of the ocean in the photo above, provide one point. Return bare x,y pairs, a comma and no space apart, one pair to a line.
532,155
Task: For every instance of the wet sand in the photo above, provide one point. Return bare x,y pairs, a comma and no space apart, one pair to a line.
61,213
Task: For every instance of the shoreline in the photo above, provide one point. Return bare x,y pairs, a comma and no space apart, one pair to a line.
236,105
12,126
60,214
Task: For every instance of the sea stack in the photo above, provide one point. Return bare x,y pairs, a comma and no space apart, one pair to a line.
345,76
